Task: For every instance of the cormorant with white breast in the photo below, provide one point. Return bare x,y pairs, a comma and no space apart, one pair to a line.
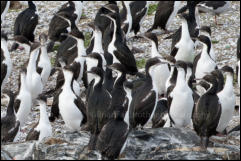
191,27
6,62
33,78
43,62
98,104
165,13
180,112
203,62
227,99
144,101
138,11
206,30
43,128
162,71
119,50
23,99
184,48
10,126
112,139
71,107
207,112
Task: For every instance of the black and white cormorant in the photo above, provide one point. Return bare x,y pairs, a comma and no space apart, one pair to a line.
43,128
23,99
206,30
203,62
162,71
118,93
192,23
98,104
137,12
180,112
144,101
71,107
165,13
238,57
27,21
207,112
43,62
6,62
4,9
112,139
58,26
214,7
184,48
118,49
10,126
227,99
33,78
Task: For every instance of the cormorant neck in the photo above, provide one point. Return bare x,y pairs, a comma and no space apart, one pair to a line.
81,48
121,77
206,50
32,60
68,80
181,76
43,113
228,87
98,42
128,18
212,89
154,50
185,31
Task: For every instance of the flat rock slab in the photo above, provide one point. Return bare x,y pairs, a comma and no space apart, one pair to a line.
163,143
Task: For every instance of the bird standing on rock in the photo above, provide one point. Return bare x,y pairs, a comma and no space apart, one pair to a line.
207,112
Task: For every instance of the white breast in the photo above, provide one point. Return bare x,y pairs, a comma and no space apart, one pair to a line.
72,116
180,110
25,106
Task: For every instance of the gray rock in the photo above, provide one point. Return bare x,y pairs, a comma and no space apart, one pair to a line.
155,144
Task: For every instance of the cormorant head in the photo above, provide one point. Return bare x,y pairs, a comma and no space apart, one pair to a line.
228,69
117,67
206,41
206,30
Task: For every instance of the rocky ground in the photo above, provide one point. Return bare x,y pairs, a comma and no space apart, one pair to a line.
224,39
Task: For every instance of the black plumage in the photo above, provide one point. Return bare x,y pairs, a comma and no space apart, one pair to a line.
112,138
121,52
9,125
138,12
145,99
99,100
163,13
192,25
159,119
207,112
26,22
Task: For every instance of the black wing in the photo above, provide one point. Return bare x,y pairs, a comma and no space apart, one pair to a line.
33,134
124,55
112,138
196,59
144,107
55,107
79,103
